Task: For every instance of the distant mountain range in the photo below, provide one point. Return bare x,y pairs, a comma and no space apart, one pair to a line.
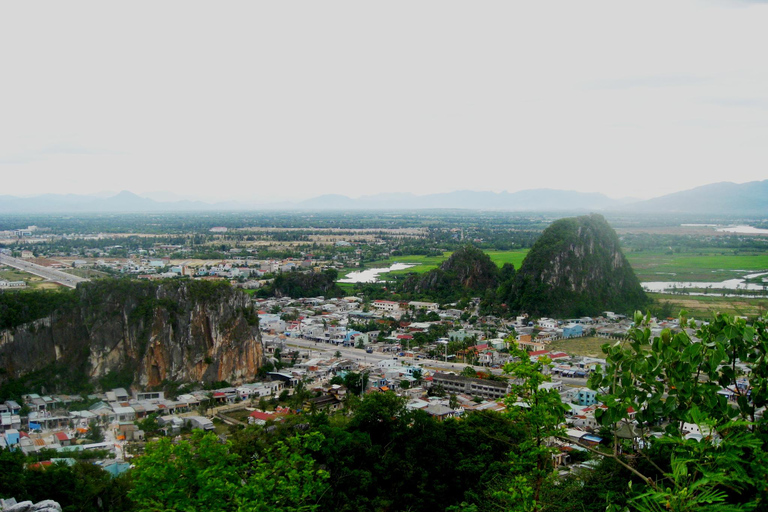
717,198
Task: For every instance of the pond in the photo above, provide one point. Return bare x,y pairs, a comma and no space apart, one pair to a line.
737,285
371,275
744,230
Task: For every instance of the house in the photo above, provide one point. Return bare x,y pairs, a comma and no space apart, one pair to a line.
547,323
62,438
124,413
586,396
525,343
427,306
199,422
439,411
260,417
12,438
170,424
328,402
116,468
573,330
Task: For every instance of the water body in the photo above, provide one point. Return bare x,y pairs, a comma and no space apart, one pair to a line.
730,284
371,275
744,230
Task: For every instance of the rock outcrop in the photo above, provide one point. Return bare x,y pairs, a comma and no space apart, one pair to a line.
577,268
138,333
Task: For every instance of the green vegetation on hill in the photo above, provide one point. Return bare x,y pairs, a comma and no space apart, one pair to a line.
468,271
303,284
20,307
576,268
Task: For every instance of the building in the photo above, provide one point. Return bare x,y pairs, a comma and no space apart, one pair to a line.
573,330
456,384
428,306
386,305
586,396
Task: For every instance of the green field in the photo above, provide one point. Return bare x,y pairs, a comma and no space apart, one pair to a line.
588,346
427,263
705,307
33,281
708,265
704,266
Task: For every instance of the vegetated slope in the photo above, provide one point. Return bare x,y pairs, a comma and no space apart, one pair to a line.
121,332
303,284
577,268
468,270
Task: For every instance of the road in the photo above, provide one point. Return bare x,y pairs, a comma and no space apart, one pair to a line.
361,355
357,354
46,273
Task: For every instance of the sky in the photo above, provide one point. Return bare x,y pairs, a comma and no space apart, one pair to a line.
289,100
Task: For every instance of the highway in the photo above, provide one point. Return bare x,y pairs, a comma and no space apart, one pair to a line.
360,355
46,273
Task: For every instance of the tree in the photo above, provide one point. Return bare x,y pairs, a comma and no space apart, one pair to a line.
204,474
199,474
677,380
356,383
540,416
285,478
95,433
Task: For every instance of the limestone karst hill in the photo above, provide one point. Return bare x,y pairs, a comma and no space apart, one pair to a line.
131,333
577,268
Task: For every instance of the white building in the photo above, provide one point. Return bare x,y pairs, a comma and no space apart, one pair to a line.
386,305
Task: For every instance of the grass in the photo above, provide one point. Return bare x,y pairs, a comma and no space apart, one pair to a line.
710,266
87,273
424,264
705,307
587,346
707,265
33,281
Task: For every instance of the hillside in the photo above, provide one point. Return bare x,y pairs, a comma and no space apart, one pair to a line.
723,198
127,333
468,271
576,268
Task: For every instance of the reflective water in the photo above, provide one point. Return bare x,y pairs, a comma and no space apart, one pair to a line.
744,230
371,275
730,284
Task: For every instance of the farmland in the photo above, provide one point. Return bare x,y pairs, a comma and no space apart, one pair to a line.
707,266
426,263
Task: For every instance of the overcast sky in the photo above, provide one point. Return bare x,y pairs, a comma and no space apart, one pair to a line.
295,99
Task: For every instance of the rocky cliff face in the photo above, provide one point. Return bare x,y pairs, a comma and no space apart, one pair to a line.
577,268
140,333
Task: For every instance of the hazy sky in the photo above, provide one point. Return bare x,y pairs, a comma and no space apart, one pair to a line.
295,99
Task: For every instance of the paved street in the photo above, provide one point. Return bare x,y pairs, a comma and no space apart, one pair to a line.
47,273
358,354
327,350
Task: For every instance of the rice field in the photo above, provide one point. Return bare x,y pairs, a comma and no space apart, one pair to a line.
426,263
704,266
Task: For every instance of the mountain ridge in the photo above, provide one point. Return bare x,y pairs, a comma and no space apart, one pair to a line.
715,198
